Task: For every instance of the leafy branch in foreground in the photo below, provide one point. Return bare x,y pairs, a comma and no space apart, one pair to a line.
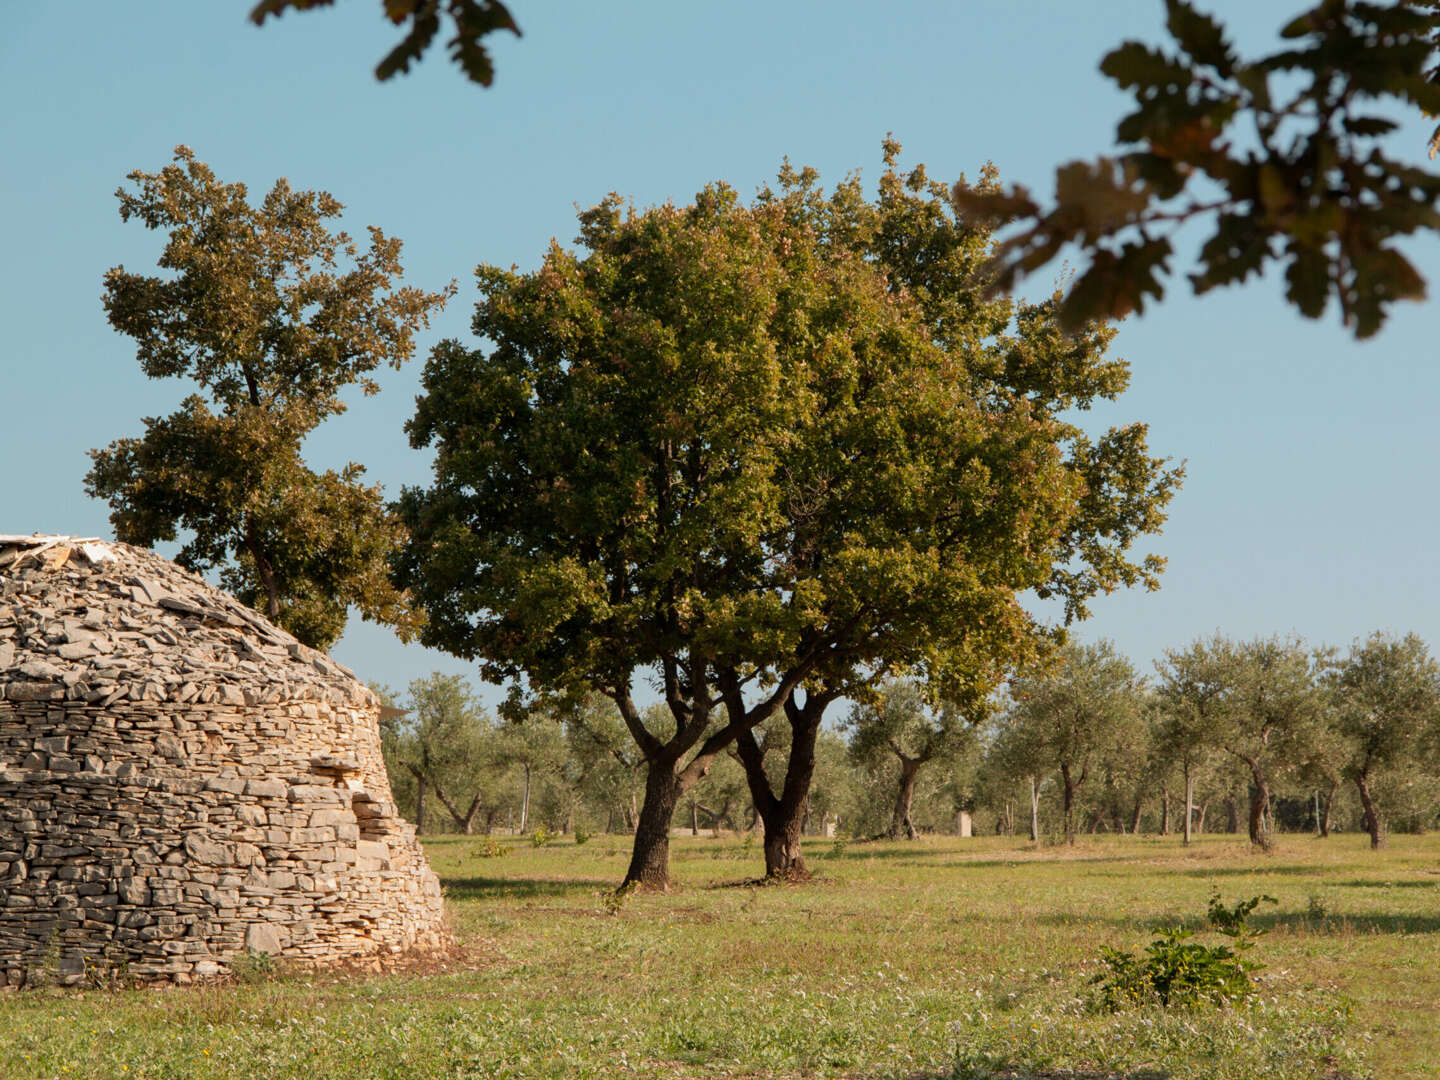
1298,178
474,20
1176,972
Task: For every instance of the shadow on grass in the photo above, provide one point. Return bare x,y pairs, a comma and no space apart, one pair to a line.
1366,923
1260,867
1376,883
486,888
1293,922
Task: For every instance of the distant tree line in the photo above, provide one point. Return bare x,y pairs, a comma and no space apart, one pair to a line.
1245,737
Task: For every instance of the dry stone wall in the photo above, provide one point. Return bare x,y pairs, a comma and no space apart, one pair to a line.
181,781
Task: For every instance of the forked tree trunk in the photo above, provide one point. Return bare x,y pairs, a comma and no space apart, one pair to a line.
782,817
1200,819
900,823
650,859
1373,825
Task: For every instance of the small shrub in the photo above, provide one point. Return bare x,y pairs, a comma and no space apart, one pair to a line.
253,967
1317,908
541,836
581,836
1178,972
489,848
615,901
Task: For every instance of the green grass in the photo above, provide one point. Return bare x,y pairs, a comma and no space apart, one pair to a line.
939,958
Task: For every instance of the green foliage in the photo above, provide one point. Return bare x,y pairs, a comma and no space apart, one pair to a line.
489,848
1177,972
582,836
255,309
1069,712
616,900
1300,177
253,967
473,20
1384,702
541,837
778,444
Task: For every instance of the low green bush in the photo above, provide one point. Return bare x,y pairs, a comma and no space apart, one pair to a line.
1178,972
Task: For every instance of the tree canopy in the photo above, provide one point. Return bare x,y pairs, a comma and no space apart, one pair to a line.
736,449
259,309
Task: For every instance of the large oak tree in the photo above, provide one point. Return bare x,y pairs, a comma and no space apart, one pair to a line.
729,450
272,316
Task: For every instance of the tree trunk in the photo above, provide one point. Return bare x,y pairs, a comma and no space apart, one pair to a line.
1259,800
1071,786
419,797
1373,824
900,823
264,569
1164,809
1189,803
1034,811
1329,806
1259,803
1232,814
783,817
694,818
1135,816
650,860
525,804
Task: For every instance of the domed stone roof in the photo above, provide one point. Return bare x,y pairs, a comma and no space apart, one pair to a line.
181,781
86,620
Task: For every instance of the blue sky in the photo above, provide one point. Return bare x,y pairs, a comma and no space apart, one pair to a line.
1309,504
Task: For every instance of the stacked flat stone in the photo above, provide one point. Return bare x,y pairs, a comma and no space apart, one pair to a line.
182,782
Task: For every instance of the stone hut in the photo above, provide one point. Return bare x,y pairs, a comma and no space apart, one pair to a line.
182,782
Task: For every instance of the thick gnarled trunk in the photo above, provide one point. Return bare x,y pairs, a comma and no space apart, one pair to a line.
783,817
900,823
650,858
1259,802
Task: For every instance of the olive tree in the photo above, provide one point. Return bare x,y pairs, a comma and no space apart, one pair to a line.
1386,698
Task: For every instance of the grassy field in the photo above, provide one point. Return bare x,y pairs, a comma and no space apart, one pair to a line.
939,958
